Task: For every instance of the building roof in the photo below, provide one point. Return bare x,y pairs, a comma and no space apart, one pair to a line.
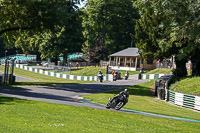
127,52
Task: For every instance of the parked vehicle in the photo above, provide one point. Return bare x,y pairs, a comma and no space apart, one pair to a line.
118,101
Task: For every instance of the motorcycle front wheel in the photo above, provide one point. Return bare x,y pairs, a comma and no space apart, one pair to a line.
108,105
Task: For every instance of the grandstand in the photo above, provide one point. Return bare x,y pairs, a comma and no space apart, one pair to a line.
20,58
72,56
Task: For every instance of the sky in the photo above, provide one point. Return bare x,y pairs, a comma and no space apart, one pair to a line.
81,4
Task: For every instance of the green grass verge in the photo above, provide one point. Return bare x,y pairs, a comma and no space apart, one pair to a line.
159,71
22,116
91,71
41,78
88,71
190,85
141,100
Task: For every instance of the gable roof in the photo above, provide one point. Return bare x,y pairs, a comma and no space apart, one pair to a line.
127,52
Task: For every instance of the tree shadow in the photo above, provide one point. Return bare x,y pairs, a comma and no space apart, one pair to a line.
32,83
63,93
134,90
24,93
75,69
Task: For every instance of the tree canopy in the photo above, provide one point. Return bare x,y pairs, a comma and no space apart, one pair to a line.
168,28
40,25
109,23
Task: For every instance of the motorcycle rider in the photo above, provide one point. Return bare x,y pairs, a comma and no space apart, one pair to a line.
113,72
127,74
100,73
114,75
125,93
119,100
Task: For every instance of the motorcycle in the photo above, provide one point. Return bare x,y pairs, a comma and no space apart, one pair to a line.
115,76
117,102
126,76
100,77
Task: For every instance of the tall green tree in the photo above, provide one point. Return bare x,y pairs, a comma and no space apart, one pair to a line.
69,40
165,29
111,21
35,23
185,14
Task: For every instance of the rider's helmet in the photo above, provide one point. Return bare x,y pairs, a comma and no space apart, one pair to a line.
99,70
126,90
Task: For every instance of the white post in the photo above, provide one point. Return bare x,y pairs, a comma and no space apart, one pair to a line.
116,60
125,62
136,63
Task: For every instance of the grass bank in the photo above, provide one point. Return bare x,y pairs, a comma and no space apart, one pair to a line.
190,85
31,116
159,71
91,71
141,100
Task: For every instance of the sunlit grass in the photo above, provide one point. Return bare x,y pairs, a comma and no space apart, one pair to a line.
159,71
190,85
22,116
141,100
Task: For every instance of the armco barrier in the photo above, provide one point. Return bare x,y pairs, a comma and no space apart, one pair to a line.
184,100
151,76
65,76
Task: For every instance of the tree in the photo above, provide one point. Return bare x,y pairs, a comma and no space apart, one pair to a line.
186,20
68,41
168,36
109,20
35,15
37,24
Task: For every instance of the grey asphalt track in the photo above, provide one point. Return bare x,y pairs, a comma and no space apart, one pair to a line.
70,94
65,93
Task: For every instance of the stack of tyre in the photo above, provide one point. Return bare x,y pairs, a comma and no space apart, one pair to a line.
161,85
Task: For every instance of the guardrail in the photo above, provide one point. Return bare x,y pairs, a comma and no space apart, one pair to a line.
150,76
65,76
184,100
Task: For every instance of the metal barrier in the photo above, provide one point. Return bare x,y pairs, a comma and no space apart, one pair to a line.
107,77
184,100
151,76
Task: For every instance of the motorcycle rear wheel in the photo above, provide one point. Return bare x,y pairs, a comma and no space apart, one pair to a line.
119,105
